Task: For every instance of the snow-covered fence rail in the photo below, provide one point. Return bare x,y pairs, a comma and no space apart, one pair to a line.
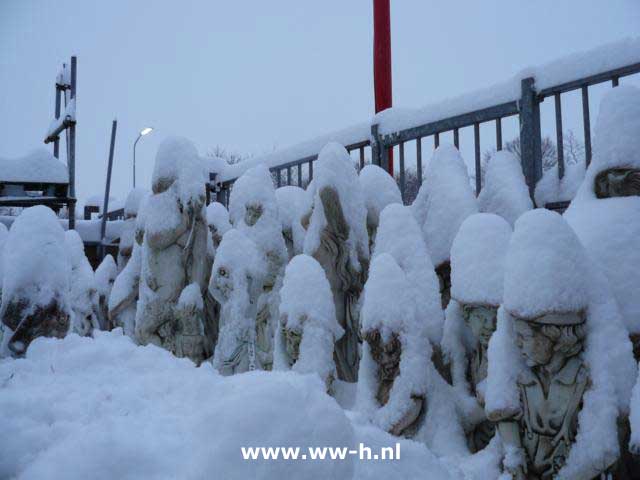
520,96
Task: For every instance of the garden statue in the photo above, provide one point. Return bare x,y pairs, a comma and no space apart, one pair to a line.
606,210
35,303
293,203
308,327
254,211
337,238
131,207
236,283
175,240
379,190
477,268
568,393
445,201
190,339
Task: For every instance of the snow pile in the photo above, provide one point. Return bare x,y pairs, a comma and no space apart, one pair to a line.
379,189
82,287
36,274
124,294
138,412
191,297
104,277
478,258
133,201
450,201
334,170
551,188
35,261
609,228
293,203
559,279
399,235
39,166
131,208
505,191
218,216
311,315
4,233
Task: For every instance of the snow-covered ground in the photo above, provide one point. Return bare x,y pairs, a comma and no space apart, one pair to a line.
105,408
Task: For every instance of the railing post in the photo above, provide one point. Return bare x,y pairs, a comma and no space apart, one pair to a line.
530,136
376,150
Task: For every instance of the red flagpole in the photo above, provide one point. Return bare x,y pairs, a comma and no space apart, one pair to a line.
382,59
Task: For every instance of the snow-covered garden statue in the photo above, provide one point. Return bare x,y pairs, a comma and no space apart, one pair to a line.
124,296
254,211
35,287
308,327
190,340
505,190
337,238
104,277
293,203
445,199
131,207
83,294
392,383
236,283
477,271
175,241
379,190
560,364
606,210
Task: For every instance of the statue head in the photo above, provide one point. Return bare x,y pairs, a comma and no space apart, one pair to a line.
385,354
252,213
617,182
481,319
222,284
552,336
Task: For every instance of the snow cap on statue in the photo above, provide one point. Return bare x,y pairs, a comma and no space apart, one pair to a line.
477,259
546,268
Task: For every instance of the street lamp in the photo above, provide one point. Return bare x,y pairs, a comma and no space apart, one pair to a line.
143,132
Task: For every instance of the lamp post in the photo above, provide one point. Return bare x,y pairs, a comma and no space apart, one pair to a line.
143,132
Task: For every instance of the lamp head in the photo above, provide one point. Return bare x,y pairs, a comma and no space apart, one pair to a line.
145,131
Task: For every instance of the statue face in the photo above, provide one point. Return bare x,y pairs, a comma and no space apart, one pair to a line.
292,339
617,182
222,283
386,355
535,347
481,319
252,214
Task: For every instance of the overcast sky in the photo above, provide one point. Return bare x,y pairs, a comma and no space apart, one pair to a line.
253,75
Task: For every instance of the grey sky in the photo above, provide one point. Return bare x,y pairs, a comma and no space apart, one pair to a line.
254,75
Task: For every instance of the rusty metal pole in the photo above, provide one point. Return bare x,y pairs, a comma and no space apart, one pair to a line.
382,61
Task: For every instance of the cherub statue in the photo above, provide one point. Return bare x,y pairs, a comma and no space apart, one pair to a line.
35,302
379,190
606,210
124,296
253,211
552,386
308,327
190,339
175,240
477,268
236,283
337,238
82,287
447,201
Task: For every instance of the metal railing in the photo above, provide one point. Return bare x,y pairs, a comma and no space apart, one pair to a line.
527,108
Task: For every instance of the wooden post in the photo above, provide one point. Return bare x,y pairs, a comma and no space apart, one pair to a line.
382,62
107,190
72,153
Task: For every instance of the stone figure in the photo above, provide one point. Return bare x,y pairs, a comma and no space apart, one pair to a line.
308,327
190,339
124,296
175,241
254,211
477,270
556,391
131,207
293,203
236,283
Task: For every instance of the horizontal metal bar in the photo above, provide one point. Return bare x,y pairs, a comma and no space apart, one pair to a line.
592,80
451,123
66,123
